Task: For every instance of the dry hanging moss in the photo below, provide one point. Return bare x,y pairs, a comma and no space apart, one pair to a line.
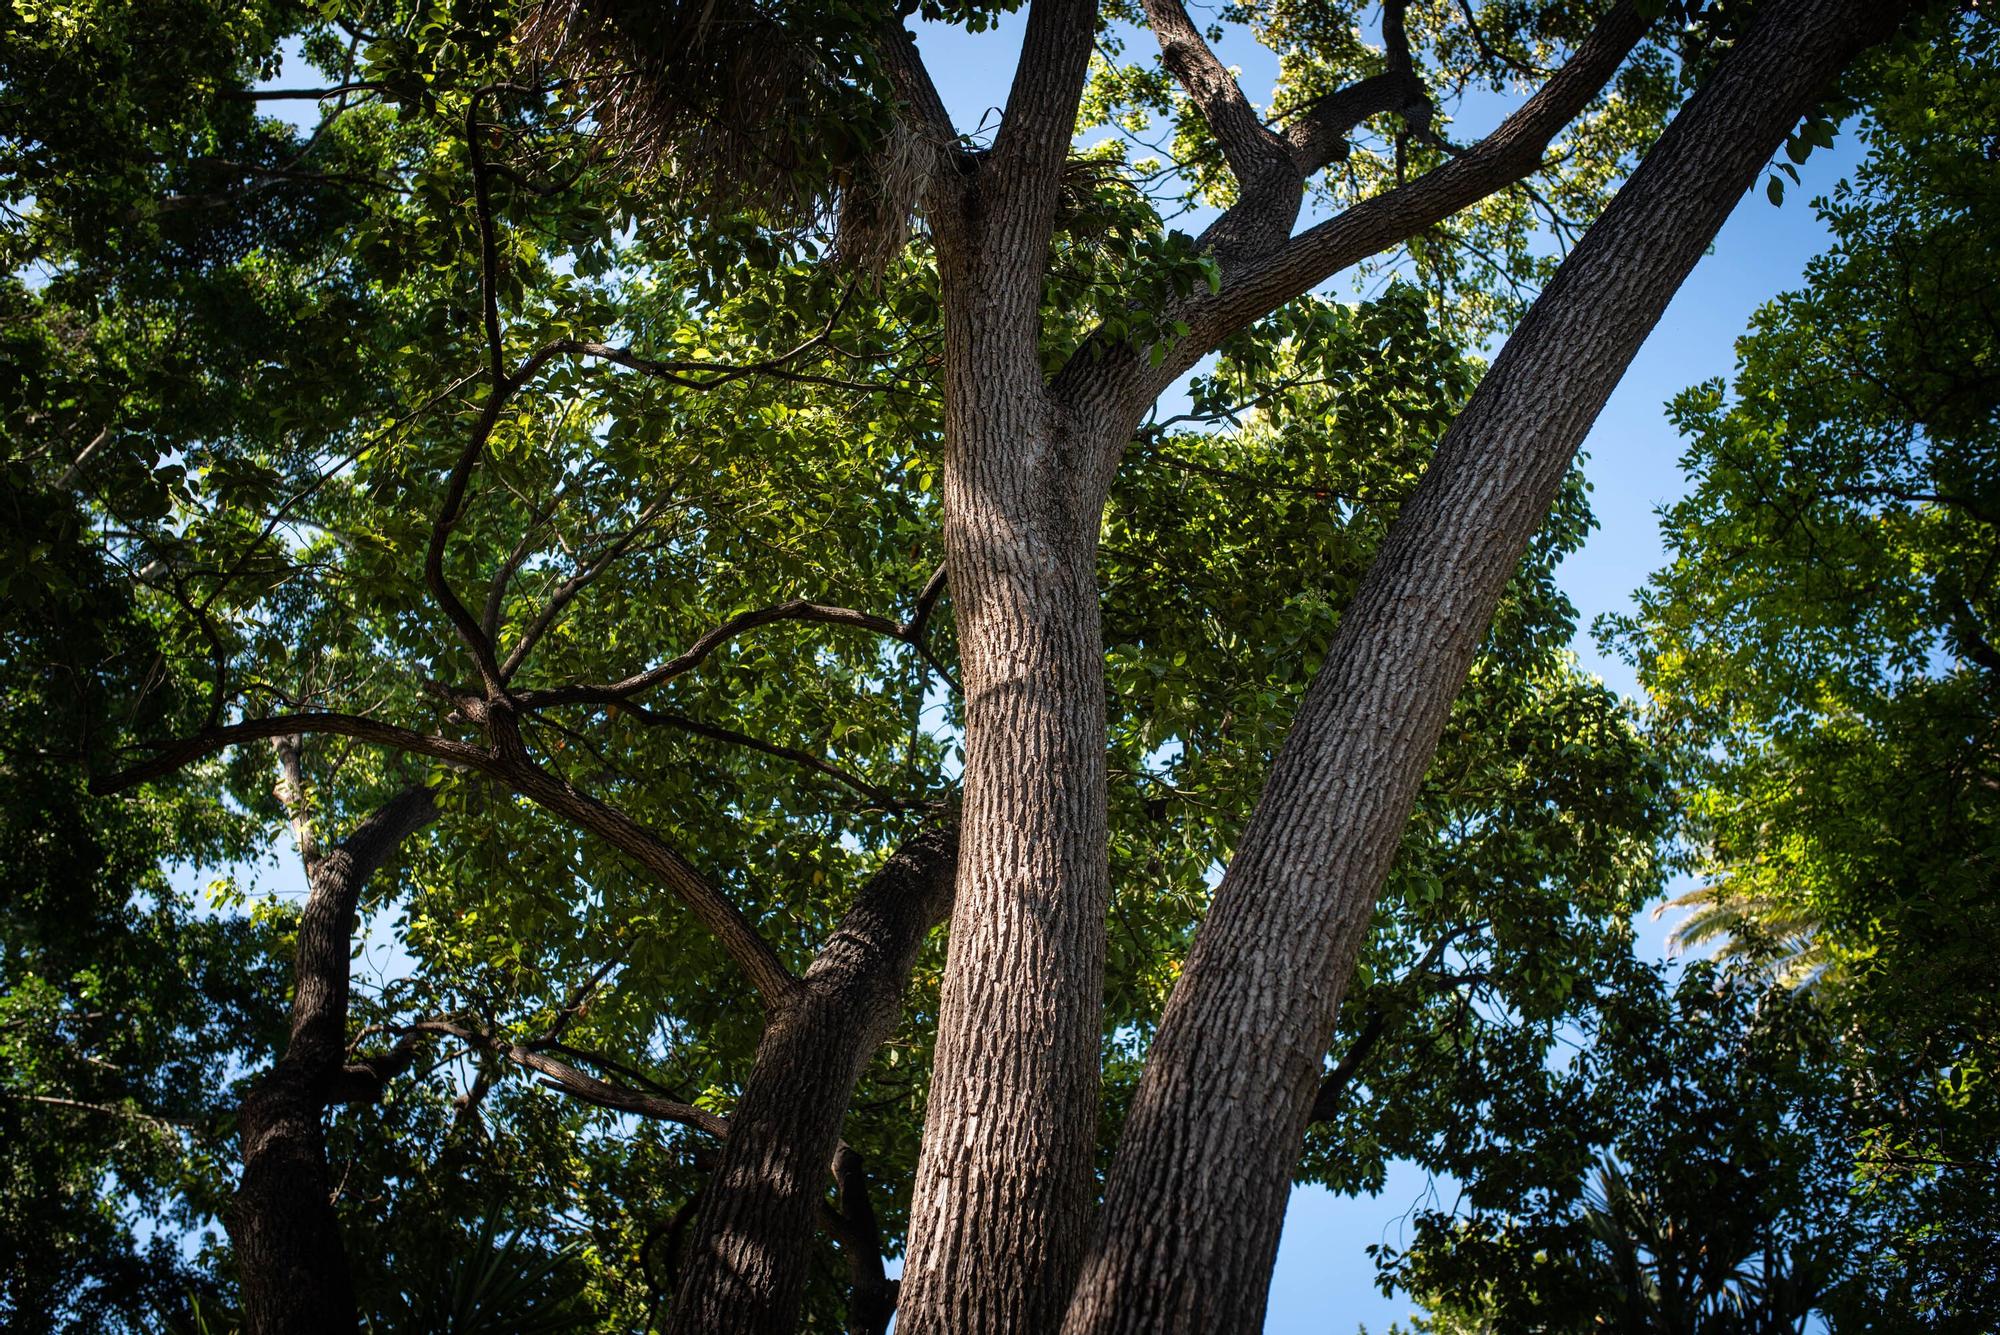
743,106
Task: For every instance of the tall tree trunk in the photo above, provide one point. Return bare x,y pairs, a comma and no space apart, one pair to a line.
1190,1223
1000,1216
1001,1210
742,1272
289,1256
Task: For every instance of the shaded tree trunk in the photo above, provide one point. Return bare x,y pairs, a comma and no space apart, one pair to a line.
743,1271
1191,1218
1000,1215
289,1256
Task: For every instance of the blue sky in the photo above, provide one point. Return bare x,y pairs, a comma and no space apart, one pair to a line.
1324,1281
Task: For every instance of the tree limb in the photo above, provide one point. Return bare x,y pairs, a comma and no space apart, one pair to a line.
566,1079
512,768
1114,381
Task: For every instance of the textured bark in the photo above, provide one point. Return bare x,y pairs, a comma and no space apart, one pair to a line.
288,1250
742,1271
1001,1209
1195,1200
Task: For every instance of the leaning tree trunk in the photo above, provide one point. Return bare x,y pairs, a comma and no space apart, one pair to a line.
289,1256
742,1273
1190,1223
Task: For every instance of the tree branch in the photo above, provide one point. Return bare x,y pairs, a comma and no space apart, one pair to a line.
1317,137
1116,381
1257,157
871,1299
512,768
729,736
566,1079
798,609
571,587
1334,1087
1040,119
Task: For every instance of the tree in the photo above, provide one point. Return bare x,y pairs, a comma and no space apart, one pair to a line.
1820,653
1718,1201
550,368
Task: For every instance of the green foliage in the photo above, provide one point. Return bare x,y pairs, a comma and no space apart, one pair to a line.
1820,654
489,1285
242,358
1705,1191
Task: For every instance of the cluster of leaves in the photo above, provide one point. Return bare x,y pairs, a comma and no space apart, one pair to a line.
1698,1183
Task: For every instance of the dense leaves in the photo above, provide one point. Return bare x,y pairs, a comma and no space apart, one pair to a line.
540,338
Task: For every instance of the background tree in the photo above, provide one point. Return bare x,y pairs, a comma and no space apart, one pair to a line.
1820,653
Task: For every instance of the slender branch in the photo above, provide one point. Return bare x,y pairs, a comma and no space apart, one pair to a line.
489,254
798,609
290,790
711,375
503,578
927,598
579,997
666,718
1334,1087
560,1076
532,633
303,94
105,1110
715,911
176,755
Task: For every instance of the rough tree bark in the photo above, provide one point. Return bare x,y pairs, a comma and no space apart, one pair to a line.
288,1251
1000,1215
1190,1223
1001,1209
741,1272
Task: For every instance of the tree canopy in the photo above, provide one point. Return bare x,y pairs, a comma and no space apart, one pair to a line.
537,493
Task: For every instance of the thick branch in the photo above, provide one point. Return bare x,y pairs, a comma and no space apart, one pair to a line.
511,767
1040,119
1255,155
871,1294
1116,382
